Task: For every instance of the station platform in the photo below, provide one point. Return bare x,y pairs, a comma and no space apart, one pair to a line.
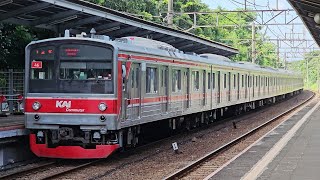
12,125
14,143
289,151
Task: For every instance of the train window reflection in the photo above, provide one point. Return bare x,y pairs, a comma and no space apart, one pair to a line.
151,80
44,72
85,71
176,80
196,80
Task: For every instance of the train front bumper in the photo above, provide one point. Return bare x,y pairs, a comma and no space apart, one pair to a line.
71,152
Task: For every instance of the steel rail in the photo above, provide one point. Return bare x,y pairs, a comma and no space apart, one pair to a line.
27,170
69,170
189,168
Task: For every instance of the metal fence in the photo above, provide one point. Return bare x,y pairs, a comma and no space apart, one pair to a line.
11,90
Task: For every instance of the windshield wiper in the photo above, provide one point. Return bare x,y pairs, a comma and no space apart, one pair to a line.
72,78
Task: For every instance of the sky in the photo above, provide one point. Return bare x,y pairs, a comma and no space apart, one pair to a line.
290,50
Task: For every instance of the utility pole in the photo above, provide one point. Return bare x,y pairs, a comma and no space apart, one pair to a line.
318,80
254,52
278,53
307,74
285,61
170,13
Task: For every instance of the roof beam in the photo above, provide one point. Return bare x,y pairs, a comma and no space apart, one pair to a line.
167,38
185,46
122,31
106,26
24,10
182,42
202,49
55,17
196,47
170,41
159,35
17,21
143,33
80,22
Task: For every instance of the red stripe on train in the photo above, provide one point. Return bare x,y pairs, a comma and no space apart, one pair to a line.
126,56
66,105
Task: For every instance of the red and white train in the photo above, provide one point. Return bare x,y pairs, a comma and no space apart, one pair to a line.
87,97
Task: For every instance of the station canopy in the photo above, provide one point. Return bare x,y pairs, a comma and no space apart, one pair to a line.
307,9
80,16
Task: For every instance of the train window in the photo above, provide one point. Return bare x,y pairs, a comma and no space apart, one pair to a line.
162,78
176,80
248,81
85,71
137,77
45,72
242,80
195,79
151,80
257,80
225,81
213,81
132,78
209,80
266,81
234,81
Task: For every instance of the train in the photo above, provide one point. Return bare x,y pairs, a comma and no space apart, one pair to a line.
87,97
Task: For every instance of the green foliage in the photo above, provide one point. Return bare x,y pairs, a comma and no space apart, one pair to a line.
13,40
154,10
309,68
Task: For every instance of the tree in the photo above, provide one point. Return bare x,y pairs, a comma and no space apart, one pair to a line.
13,40
154,10
309,68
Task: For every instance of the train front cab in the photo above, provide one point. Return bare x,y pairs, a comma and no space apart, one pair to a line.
71,101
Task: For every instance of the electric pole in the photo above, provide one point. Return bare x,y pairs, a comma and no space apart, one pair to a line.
307,74
170,13
278,53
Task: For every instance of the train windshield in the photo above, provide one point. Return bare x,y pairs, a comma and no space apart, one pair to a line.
73,68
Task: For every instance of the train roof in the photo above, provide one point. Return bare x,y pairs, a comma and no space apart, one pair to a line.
215,59
157,48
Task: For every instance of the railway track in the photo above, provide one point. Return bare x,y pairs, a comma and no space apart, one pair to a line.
27,171
67,168
201,166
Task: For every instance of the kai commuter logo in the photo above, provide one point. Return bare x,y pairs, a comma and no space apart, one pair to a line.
63,104
67,105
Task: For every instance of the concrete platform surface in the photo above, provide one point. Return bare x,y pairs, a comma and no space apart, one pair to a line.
298,159
11,120
11,126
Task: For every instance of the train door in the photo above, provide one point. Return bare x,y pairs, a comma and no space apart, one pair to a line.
204,88
229,86
253,79
238,87
259,86
134,93
187,86
246,86
219,88
164,74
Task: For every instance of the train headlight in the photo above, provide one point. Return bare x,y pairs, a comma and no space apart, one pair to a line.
102,106
36,106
